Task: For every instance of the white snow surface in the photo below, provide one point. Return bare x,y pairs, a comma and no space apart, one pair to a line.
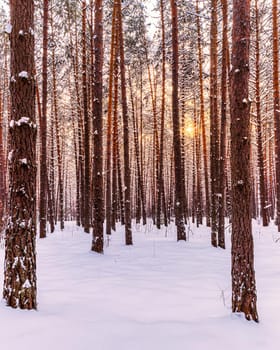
8,28
23,74
158,294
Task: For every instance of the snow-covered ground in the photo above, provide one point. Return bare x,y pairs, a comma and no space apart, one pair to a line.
158,294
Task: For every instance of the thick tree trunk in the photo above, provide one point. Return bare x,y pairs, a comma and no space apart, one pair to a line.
20,256
244,295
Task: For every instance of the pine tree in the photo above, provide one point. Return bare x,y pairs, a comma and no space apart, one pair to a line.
262,186
179,198
223,129
214,141
20,257
43,127
127,175
86,123
276,105
98,215
244,295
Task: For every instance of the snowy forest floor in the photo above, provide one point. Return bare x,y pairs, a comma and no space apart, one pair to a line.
157,294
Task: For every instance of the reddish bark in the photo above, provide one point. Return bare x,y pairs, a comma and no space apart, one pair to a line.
20,256
244,296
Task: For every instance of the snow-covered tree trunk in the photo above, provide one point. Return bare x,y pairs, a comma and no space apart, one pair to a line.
244,296
20,257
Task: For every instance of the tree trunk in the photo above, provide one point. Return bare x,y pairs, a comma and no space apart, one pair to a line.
109,126
20,256
179,198
161,199
214,140
202,120
276,106
196,146
244,295
87,187
137,155
127,204
3,170
221,197
57,133
98,215
58,147
51,191
262,186
43,128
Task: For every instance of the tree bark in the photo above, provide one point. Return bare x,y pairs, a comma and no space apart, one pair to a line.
244,296
262,186
43,127
276,106
223,131
161,199
57,134
3,169
20,256
127,204
179,198
202,120
214,139
98,211
109,126
87,187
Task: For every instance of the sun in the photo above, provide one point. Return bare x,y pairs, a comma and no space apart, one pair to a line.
188,130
